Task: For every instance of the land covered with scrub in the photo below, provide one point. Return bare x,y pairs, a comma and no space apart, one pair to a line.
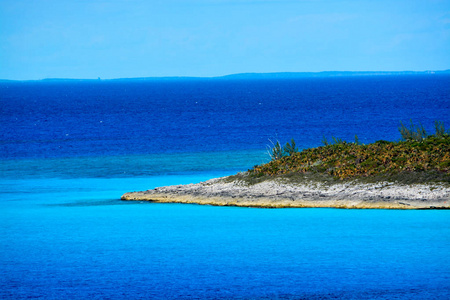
411,173
404,161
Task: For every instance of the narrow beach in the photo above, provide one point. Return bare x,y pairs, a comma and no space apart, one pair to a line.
278,193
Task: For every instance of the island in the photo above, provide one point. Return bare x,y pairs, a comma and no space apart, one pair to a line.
413,173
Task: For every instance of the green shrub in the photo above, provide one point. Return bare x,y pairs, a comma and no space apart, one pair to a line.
337,141
290,149
277,152
413,133
440,129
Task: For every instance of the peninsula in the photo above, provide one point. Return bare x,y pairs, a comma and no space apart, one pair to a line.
409,174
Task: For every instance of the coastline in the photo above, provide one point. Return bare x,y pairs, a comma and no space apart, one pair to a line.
278,193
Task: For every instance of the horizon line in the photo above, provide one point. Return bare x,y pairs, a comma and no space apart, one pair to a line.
250,75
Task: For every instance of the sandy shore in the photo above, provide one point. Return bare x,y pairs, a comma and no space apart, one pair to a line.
278,193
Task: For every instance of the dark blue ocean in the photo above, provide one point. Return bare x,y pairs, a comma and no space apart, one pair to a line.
70,149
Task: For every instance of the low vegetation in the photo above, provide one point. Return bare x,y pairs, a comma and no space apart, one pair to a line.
418,157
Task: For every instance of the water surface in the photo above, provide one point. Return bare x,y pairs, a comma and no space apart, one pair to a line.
69,150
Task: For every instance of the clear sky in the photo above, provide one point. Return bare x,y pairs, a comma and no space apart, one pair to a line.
141,38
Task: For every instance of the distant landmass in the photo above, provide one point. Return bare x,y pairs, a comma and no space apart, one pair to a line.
287,75
275,75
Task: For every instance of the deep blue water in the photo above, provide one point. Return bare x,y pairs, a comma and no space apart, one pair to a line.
69,150
46,119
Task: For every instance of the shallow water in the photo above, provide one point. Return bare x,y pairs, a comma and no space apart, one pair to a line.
73,238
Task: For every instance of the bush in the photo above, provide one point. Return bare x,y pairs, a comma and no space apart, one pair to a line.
336,141
290,149
277,152
440,129
413,133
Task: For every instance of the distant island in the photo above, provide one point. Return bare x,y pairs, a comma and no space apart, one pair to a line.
293,75
410,174
253,76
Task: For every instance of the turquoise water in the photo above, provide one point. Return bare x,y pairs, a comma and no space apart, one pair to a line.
71,237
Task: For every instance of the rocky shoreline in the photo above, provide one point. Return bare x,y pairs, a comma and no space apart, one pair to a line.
279,193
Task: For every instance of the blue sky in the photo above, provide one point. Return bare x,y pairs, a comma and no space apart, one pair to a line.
140,38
